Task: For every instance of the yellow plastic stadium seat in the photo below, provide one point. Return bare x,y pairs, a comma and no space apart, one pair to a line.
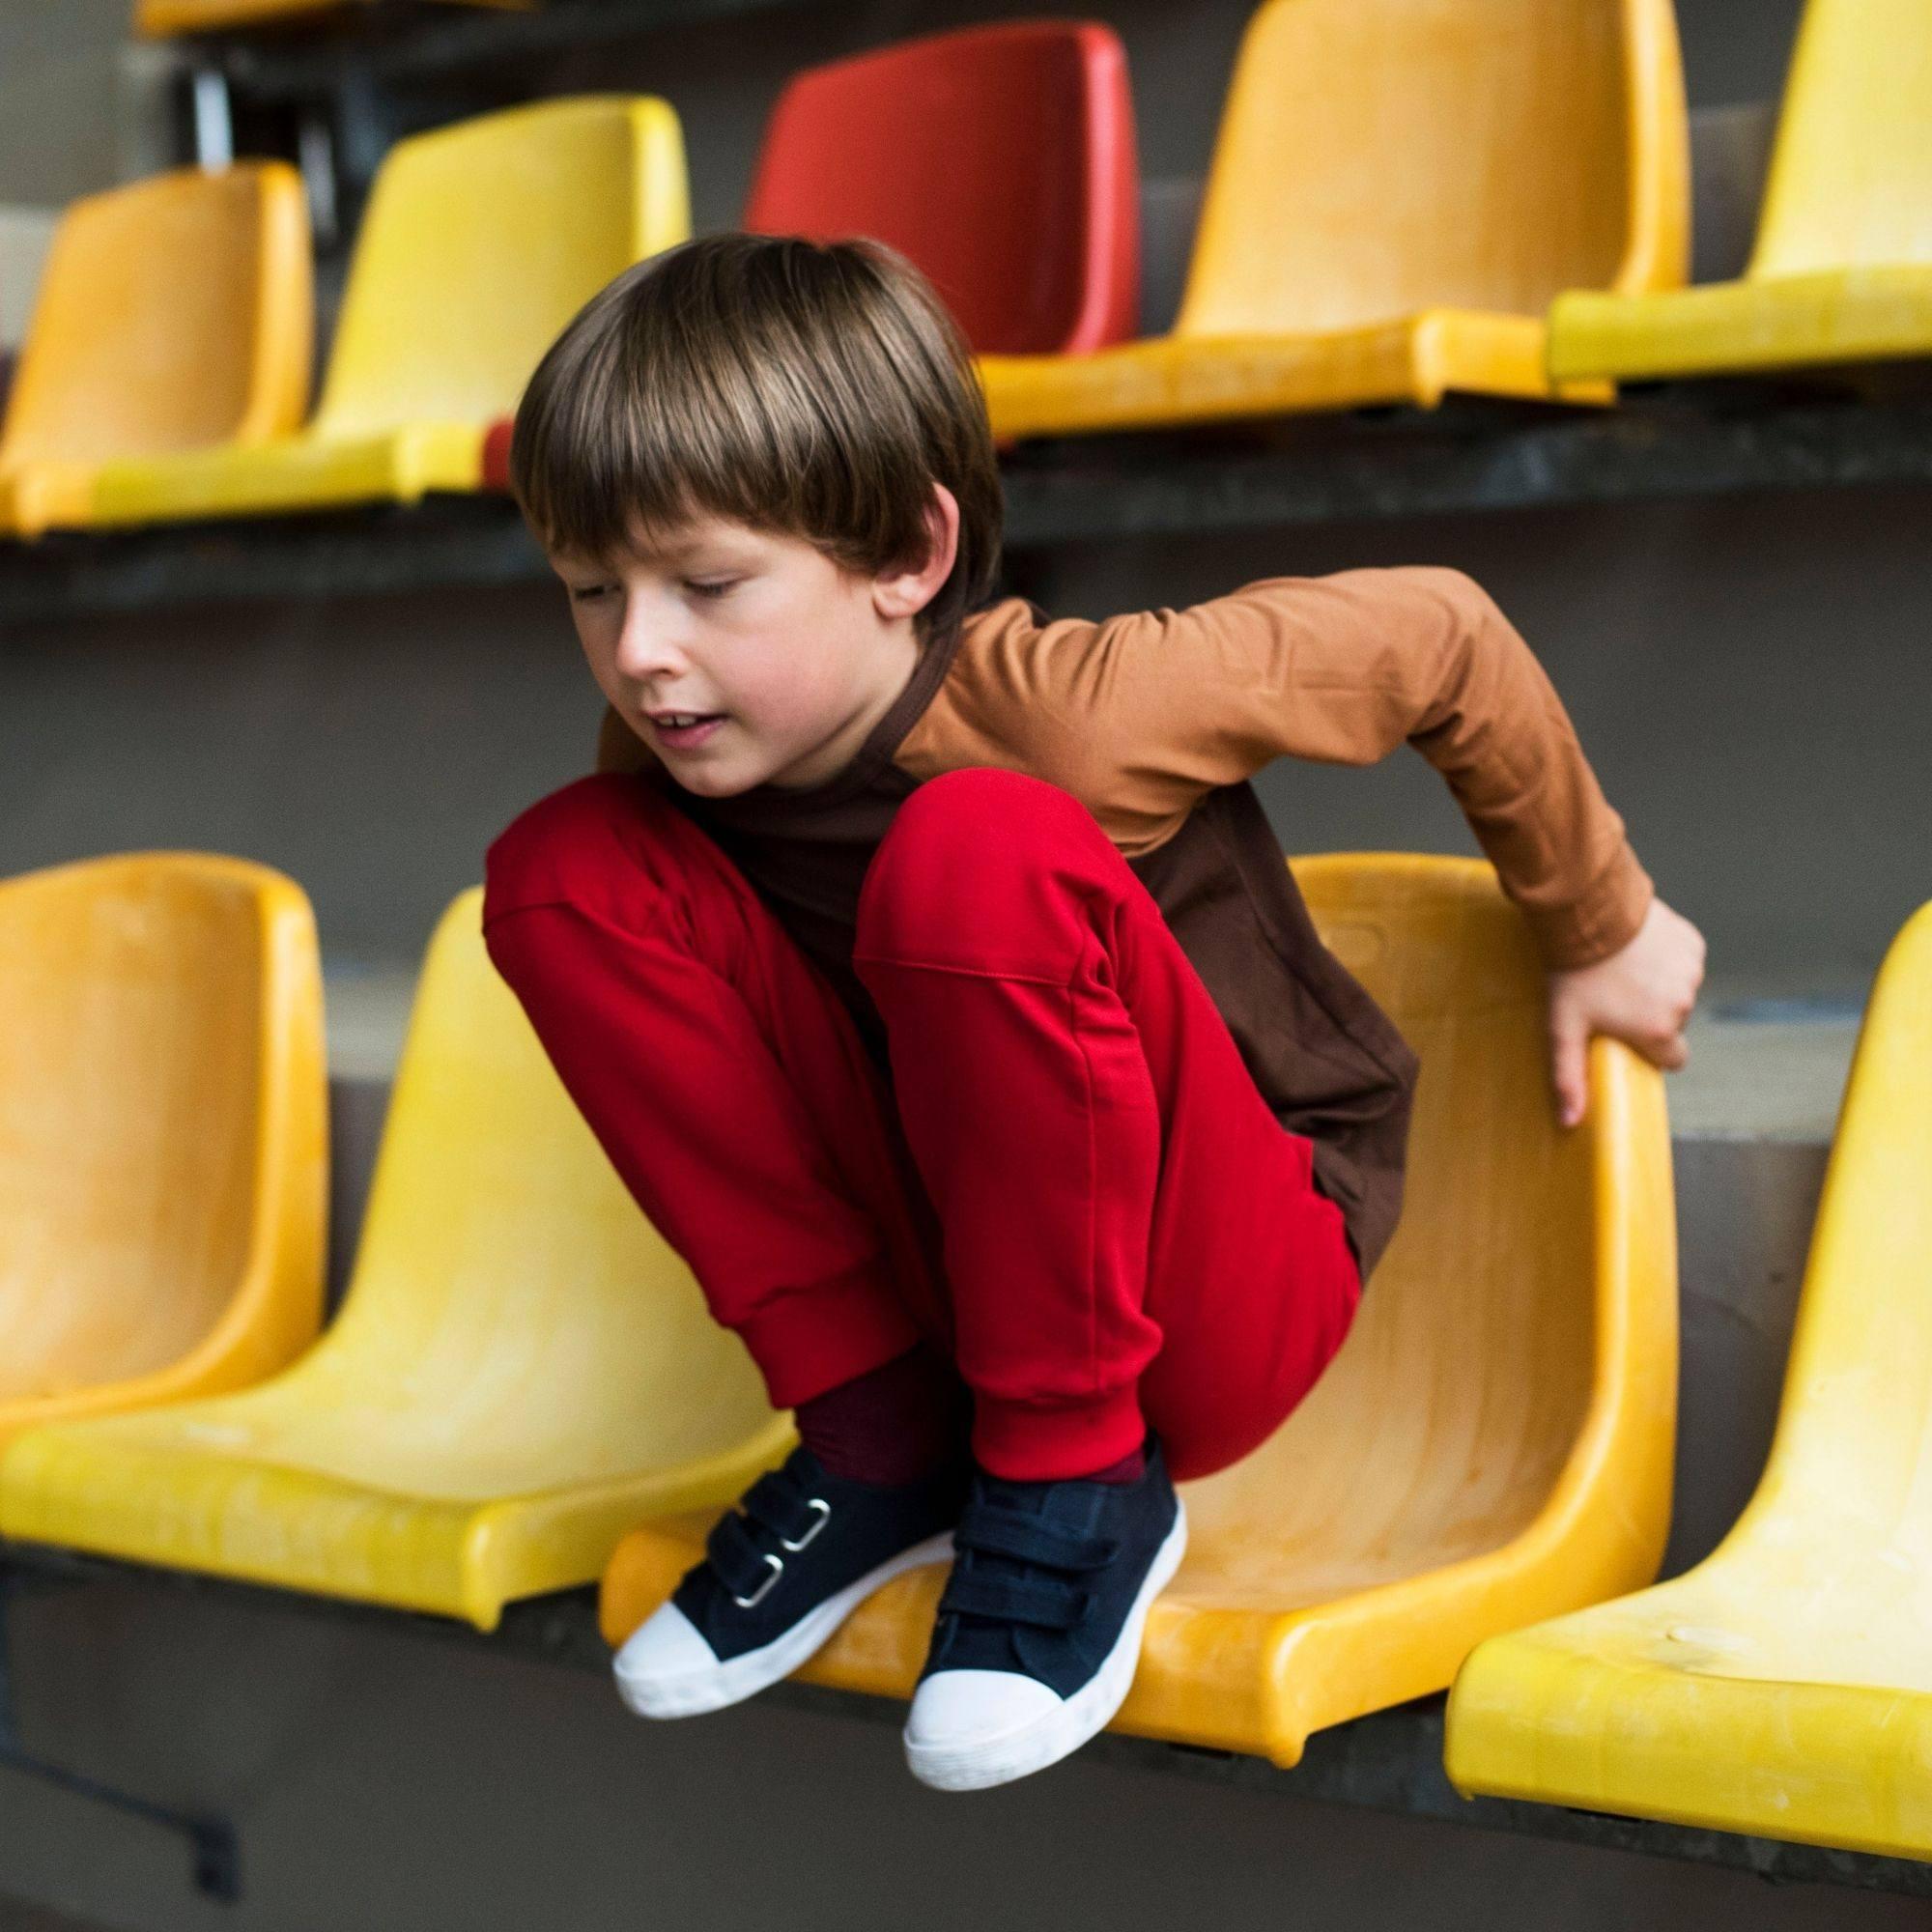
163,1144
481,240
520,1372
1494,1439
1398,189
1785,1685
158,20
1842,270
173,314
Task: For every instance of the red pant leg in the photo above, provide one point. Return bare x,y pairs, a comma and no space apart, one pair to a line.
1130,1234
723,1077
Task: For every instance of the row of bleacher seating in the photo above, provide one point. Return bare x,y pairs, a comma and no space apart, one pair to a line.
164,18
1001,158
1403,202
522,1371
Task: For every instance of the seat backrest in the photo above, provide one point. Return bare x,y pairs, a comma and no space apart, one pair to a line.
1440,1430
159,1026
1378,158
999,159
511,1311
175,312
481,240
1851,171
1853,1444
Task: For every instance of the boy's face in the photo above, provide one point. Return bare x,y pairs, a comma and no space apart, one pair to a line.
785,658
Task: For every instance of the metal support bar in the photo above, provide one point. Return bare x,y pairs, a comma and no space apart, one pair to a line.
213,119
315,156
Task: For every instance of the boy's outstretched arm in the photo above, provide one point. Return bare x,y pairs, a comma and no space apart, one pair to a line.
1344,668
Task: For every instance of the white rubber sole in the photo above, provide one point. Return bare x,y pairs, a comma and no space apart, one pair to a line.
1057,1733
689,1694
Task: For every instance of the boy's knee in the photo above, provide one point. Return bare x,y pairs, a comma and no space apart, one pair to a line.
973,843
982,815
565,848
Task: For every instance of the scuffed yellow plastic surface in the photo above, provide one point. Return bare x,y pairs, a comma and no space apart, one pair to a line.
1493,1440
173,314
480,243
520,1372
1843,271
162,1132
1398,189
158,20
1785,1685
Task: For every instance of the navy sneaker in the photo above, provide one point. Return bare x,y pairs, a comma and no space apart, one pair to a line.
781,1571
1040,1629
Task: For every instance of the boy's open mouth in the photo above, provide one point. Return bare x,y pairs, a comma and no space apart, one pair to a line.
681,730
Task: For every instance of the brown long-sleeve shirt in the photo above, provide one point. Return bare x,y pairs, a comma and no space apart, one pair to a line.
1157,721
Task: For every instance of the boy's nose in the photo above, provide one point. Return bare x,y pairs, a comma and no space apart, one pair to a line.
647,650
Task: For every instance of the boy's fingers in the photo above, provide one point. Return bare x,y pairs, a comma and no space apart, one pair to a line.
1568,1040
1669,1054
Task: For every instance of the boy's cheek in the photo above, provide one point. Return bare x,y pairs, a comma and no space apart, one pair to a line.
607,684
790,702
601,656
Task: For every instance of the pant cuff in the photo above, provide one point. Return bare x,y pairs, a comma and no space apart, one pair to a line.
814,1339
1041,1442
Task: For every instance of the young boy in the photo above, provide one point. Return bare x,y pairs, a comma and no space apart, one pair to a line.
930,975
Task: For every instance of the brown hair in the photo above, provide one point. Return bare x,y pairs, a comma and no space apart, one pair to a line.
816,390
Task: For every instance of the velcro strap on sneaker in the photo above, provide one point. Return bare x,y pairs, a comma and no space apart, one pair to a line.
1047,1603
735,1554
1030,1538
778,1503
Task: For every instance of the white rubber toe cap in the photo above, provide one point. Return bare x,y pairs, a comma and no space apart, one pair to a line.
665,1651
965,1710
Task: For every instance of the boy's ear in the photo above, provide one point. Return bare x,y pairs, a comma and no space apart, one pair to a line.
904,590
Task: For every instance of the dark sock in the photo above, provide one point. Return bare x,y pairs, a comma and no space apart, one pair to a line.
894,1424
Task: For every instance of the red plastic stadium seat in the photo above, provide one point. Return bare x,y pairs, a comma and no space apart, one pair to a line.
999,159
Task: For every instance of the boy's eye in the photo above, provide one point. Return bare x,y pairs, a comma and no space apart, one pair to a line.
716,588
587,593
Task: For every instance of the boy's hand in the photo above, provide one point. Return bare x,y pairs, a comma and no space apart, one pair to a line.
1641,995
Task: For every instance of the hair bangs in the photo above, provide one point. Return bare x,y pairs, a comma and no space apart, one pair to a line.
811,391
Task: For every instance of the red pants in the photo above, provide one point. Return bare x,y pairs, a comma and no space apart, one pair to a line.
1071,1183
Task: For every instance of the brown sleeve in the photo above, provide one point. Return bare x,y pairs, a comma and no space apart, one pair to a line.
619,748
1343,670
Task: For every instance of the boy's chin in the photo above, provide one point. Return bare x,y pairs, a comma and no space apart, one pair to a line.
707,777
748,769
704,784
